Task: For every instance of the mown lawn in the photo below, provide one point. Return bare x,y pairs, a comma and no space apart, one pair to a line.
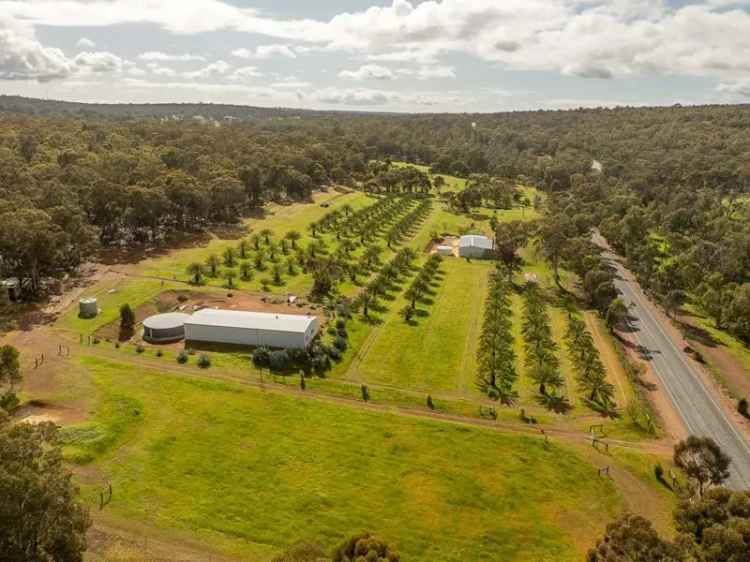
436,352
251,472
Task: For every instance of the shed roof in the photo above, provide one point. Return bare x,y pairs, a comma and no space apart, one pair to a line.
476,241
251,320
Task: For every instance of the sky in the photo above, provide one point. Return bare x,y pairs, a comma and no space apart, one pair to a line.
387,55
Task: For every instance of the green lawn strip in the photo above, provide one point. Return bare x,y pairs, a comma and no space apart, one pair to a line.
559,322
257,471
429,355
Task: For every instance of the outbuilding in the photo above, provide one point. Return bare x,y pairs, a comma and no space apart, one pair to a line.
88,307
235,327
444,250
475,246
164,328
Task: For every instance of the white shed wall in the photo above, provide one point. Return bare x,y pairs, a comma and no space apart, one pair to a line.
251,337
472,252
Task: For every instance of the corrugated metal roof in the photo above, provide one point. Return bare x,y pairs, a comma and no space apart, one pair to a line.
251,320
166,321
476,241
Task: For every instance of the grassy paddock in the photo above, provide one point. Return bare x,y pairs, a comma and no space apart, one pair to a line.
251,472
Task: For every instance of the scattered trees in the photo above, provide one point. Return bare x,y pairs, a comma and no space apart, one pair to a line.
42,517
703,461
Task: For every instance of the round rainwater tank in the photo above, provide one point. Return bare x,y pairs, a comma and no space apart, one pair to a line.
165,327
88,308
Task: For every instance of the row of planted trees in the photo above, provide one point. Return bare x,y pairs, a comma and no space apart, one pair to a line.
389,275
404,227
540,360
420,286
496,373
591,374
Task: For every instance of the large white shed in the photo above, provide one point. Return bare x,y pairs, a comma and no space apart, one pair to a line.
251,328
475,246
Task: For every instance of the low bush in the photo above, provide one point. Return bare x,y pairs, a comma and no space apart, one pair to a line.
659,472
182,357
334,354
340,344
159,353
279,360
204,361
742,407
261,357
139,348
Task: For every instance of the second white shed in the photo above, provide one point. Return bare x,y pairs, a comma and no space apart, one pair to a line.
475,246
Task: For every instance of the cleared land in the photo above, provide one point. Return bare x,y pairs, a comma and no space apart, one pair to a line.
250,472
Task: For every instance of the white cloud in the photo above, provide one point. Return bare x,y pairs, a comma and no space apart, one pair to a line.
265,52
368,72
213,70
100,61
85,43
166,57
738,89
245,73
291,85
160,70
356,97
430,72
22,57
584,38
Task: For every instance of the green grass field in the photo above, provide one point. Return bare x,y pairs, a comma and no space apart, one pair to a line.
250,472
437,353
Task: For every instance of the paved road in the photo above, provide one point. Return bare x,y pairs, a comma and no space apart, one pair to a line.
702,415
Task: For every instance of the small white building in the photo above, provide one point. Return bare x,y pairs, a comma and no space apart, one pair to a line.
251,328
444,250
475,246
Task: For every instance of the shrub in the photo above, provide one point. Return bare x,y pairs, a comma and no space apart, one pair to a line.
321,361
204,361
139,348
159,353
117,345
190,351
302,383
331,330
182,357
742,407
430,403
340,324
9,401
340,344
334,354
341,332
261,357
365,393
182,298
97,341
659,472
278,360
